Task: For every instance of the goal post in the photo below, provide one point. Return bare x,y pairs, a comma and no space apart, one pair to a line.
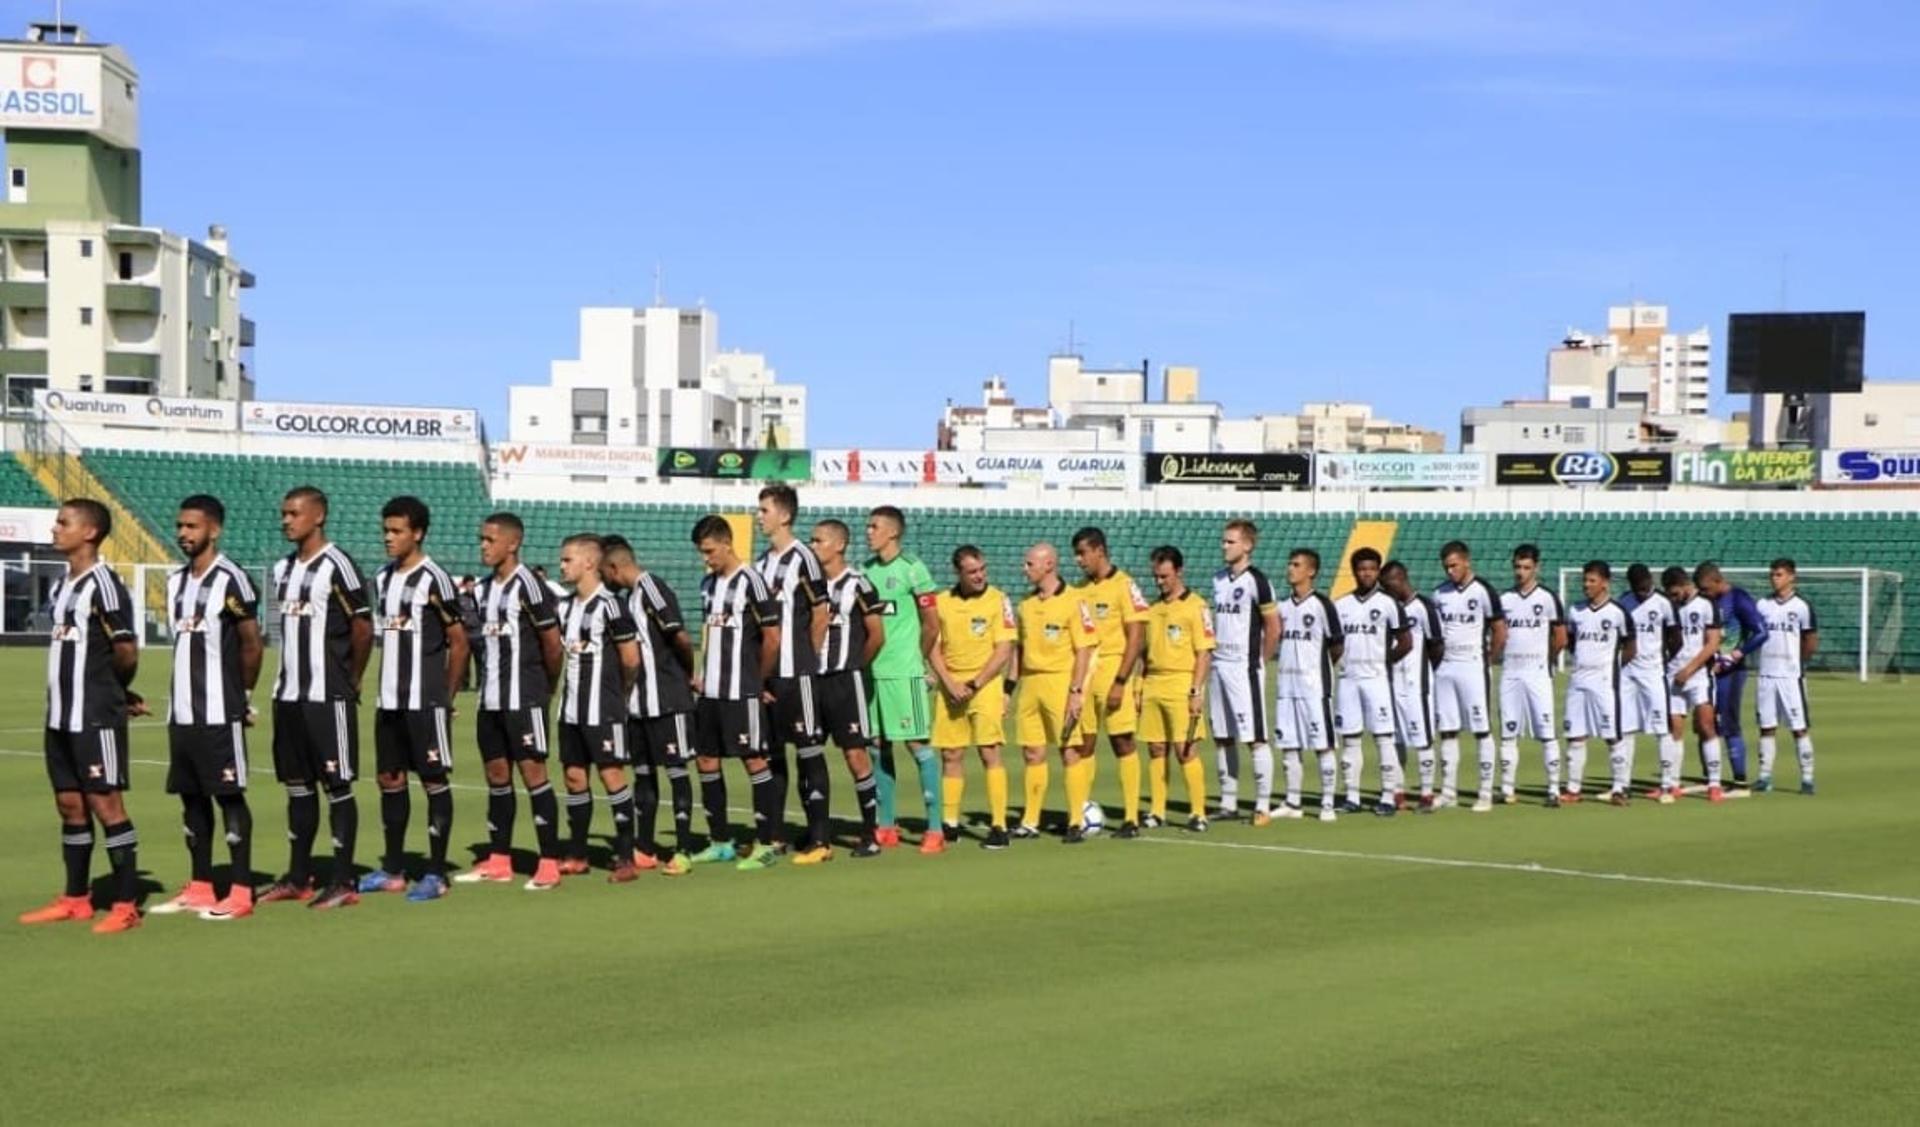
1860,611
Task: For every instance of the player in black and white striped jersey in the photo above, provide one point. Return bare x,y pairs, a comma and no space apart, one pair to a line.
602,659
326,634
792,573
91,660
217,650
855,632
423,649
660,710
519,660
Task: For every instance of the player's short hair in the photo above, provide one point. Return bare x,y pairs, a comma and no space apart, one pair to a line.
1364,555
1638,573
1528,552
1090,537
1168,554
1601,568
1786,564
713,526
613,543
410,509
1707,570
1392,567
98,516
311,493
1307,554
783,497
207,505
1455,548
1673,576
892,513
585,540
839,530
966,552
1245,528
508,521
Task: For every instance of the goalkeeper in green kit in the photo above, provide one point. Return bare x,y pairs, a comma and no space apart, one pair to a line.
901,713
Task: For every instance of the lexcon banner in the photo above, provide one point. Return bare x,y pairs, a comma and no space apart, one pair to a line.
1400,471
152,411
738,465
341,420
1870,467
1746,469
536,459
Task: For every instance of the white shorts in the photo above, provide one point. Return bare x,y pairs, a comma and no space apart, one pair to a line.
1413,705
1460,697
1643,702
1239,703
1696,693
1778,699
1306,724
1526,705
1364,704
1593,712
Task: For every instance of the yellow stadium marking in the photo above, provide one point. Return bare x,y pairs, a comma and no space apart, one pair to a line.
1375,534
742,525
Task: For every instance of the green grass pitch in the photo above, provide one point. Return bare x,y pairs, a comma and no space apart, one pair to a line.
1527,965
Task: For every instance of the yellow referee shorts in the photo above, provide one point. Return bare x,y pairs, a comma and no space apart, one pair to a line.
1166,711
980,722
1096,715
1042,711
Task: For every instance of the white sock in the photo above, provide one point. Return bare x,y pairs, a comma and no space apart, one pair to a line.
1622,760
1489,770
1426,771
1510,763
1393,773
1710,749
1767,751
1352,761
1671,752
1291,757
1576,764
1329,772
1550,755
1548,746
1262,777
1804,745
1227,758
1449,764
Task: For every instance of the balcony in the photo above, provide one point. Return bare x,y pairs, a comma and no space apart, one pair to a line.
23,295
133,365
23,361
127,298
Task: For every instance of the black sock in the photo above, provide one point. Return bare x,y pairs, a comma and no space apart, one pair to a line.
439,825
76,848
646,808
396,809
713,797
196,817
815,786
122,846
239,820
766,811
621,803
343,817
303,825
500,812
776,812
579,822
546,820
866,791
682,788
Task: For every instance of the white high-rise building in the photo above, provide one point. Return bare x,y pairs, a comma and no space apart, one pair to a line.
1640,364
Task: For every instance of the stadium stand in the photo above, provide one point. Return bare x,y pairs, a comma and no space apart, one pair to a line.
19,488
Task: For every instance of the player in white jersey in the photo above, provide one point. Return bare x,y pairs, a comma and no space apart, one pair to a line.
1601,640
1246,625
1470,615
1310,644
1644,690
1536,633
1792,635
1374,628
1697,621
1412,675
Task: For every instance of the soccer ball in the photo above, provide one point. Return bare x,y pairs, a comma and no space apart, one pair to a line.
1093,817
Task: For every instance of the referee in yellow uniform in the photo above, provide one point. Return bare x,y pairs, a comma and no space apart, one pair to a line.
1173,698
969,657
1057,642
1119,618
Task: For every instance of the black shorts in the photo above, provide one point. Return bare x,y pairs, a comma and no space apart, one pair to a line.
208,759
413,739
730,729
514,733
316,742
93,760
843,699
796,712
663,741
593,745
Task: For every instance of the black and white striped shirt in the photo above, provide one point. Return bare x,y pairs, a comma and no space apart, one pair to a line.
793,575
736,608
513,612
318,599
662,689
206,611
91,611
415,608
851,597
591,630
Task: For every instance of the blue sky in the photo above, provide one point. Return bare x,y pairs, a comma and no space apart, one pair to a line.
1397,202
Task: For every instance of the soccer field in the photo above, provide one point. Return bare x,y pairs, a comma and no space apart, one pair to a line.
1751,961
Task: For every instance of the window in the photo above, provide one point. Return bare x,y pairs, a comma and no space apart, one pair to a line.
129,387
20,390
86,248
86,315
19,177
86,383
126,265
16,185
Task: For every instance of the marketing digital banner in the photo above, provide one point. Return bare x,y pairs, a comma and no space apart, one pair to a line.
1242,471
736,465
1746,469
539,459
1399,471
1585,469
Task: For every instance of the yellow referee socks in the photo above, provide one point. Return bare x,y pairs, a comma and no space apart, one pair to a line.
997,796
952,791
1157,786
1079,789
1196,786
1035,782
1130,787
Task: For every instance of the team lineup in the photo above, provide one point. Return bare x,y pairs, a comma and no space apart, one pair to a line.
801,649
